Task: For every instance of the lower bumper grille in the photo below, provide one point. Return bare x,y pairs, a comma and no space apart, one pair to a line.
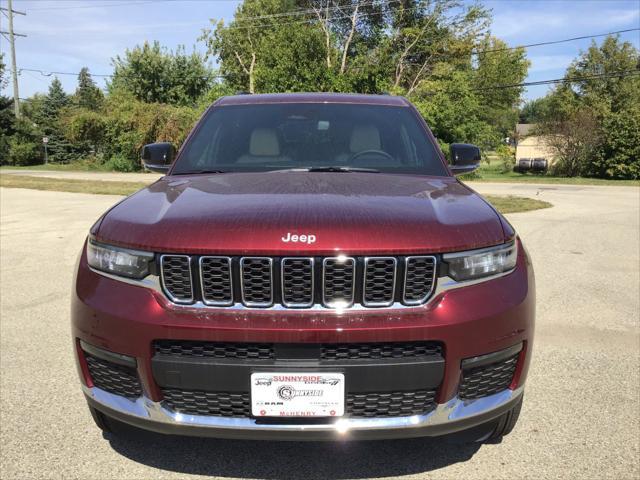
391,404
489,379
113,378
358,405
325,351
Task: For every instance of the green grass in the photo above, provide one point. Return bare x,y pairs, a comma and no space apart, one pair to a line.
53,167
513,204
504,204
491,172
70,185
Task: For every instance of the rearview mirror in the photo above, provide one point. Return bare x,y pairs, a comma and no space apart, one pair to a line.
465,158
158,157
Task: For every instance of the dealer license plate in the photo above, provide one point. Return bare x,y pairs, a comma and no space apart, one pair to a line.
297,394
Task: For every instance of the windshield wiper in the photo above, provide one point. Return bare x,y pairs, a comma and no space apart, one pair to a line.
197,172
335,169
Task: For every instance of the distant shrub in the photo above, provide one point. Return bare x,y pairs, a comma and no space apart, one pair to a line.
119,163
506,157
20,154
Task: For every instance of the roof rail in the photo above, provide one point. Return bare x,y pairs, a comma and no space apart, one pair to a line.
243,92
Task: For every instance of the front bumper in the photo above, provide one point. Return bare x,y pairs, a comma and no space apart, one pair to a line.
453,416
469,322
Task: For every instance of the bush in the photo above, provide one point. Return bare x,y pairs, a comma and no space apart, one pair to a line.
507,158
121,163
27,153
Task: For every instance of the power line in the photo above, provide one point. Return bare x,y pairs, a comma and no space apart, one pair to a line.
553,42
48,73
575,79
603,76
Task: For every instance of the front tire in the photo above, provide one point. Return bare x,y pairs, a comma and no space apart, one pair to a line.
101,420
506,423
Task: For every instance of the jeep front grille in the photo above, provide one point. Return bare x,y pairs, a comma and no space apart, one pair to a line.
338,276
298,282
418,279
256,275
215,279
176,277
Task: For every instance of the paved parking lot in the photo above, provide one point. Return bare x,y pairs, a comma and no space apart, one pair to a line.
581,412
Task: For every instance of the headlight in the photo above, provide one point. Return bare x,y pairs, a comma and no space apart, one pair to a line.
482,263
117,260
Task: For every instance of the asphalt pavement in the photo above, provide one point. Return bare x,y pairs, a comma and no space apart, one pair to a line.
582,404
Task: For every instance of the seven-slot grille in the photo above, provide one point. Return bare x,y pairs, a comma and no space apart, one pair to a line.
176,277
295,282
215,279
419,277
256,275
379,281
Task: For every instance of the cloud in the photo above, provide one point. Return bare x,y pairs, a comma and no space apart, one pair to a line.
545,63
542,19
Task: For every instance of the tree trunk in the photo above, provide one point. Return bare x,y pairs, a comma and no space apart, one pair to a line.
354,19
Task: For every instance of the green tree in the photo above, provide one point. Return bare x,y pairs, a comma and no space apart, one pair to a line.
155,74
7,118
604,88
47,119
535,111
88,95
502,68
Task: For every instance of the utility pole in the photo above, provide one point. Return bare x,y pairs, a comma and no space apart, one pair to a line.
12,41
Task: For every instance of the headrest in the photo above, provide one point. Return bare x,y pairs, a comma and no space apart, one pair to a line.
264,143
364,137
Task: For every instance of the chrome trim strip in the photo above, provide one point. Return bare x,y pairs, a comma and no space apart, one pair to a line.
164,287
257,304
443,284
313,282
364,282
340,259
204,298
449,412
433,280
490,358
117,358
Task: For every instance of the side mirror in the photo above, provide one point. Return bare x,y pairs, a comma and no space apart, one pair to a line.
465,158
158,157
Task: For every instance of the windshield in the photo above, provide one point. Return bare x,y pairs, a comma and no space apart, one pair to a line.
315,136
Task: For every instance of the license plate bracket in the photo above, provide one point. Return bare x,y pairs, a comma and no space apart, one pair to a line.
297,394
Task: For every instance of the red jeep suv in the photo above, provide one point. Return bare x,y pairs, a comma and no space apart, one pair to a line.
308,268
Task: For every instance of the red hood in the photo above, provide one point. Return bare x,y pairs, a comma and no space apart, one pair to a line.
352,213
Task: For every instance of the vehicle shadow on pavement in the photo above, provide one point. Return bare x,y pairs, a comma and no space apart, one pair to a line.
284,460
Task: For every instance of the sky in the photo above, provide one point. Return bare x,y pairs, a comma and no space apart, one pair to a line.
66,35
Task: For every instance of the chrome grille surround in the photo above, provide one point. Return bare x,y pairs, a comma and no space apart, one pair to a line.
410,292
294,282
260,269
338,274
177,281
301,269
379,281
216,281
